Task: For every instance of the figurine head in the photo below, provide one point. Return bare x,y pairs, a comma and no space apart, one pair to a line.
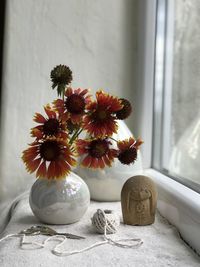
138,199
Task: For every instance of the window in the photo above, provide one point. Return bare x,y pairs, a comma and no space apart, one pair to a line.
169,96
177,91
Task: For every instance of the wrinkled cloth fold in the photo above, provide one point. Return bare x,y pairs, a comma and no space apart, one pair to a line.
7,210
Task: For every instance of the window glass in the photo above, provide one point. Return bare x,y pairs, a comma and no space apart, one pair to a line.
177,108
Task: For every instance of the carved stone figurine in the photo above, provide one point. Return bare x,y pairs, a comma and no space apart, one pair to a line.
138,200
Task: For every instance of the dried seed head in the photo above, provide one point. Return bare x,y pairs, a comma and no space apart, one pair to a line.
125,111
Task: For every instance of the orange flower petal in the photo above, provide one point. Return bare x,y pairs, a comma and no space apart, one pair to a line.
65,167
101,163
94,163
29,154
39,118
61,171
86,161
68,91
76,118
138,143
107,161
92,105
42,170
124,144
63,135
110,102
35,132
50,113
64,116
33,165
69,159
58,171
59,106
51,170
30,150
77,91
84,92
81,146
28,157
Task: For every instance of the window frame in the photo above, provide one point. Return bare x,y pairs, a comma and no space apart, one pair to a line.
176,202
2,29
163,79
143,96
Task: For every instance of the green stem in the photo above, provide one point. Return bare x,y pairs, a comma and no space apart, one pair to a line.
63,94
79,132
75,135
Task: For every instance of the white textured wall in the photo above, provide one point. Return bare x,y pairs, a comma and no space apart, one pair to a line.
96,38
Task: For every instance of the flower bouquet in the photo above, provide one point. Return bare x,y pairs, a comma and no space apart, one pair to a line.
57,145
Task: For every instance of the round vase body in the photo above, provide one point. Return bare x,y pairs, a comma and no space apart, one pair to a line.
61,201
106,184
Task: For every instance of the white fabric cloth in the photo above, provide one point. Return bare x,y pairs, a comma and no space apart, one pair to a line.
162,245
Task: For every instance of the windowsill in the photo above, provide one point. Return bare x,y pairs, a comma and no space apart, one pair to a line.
180,206
161,243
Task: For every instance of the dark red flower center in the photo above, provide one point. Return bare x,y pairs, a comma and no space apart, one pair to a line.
98,148
125,111
51,127
75,104
50,150
100,115
128,156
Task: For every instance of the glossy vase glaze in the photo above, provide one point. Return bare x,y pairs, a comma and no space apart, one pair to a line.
106,184
61,201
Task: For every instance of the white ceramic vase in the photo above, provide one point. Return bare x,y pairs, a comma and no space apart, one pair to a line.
106,184
62,201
